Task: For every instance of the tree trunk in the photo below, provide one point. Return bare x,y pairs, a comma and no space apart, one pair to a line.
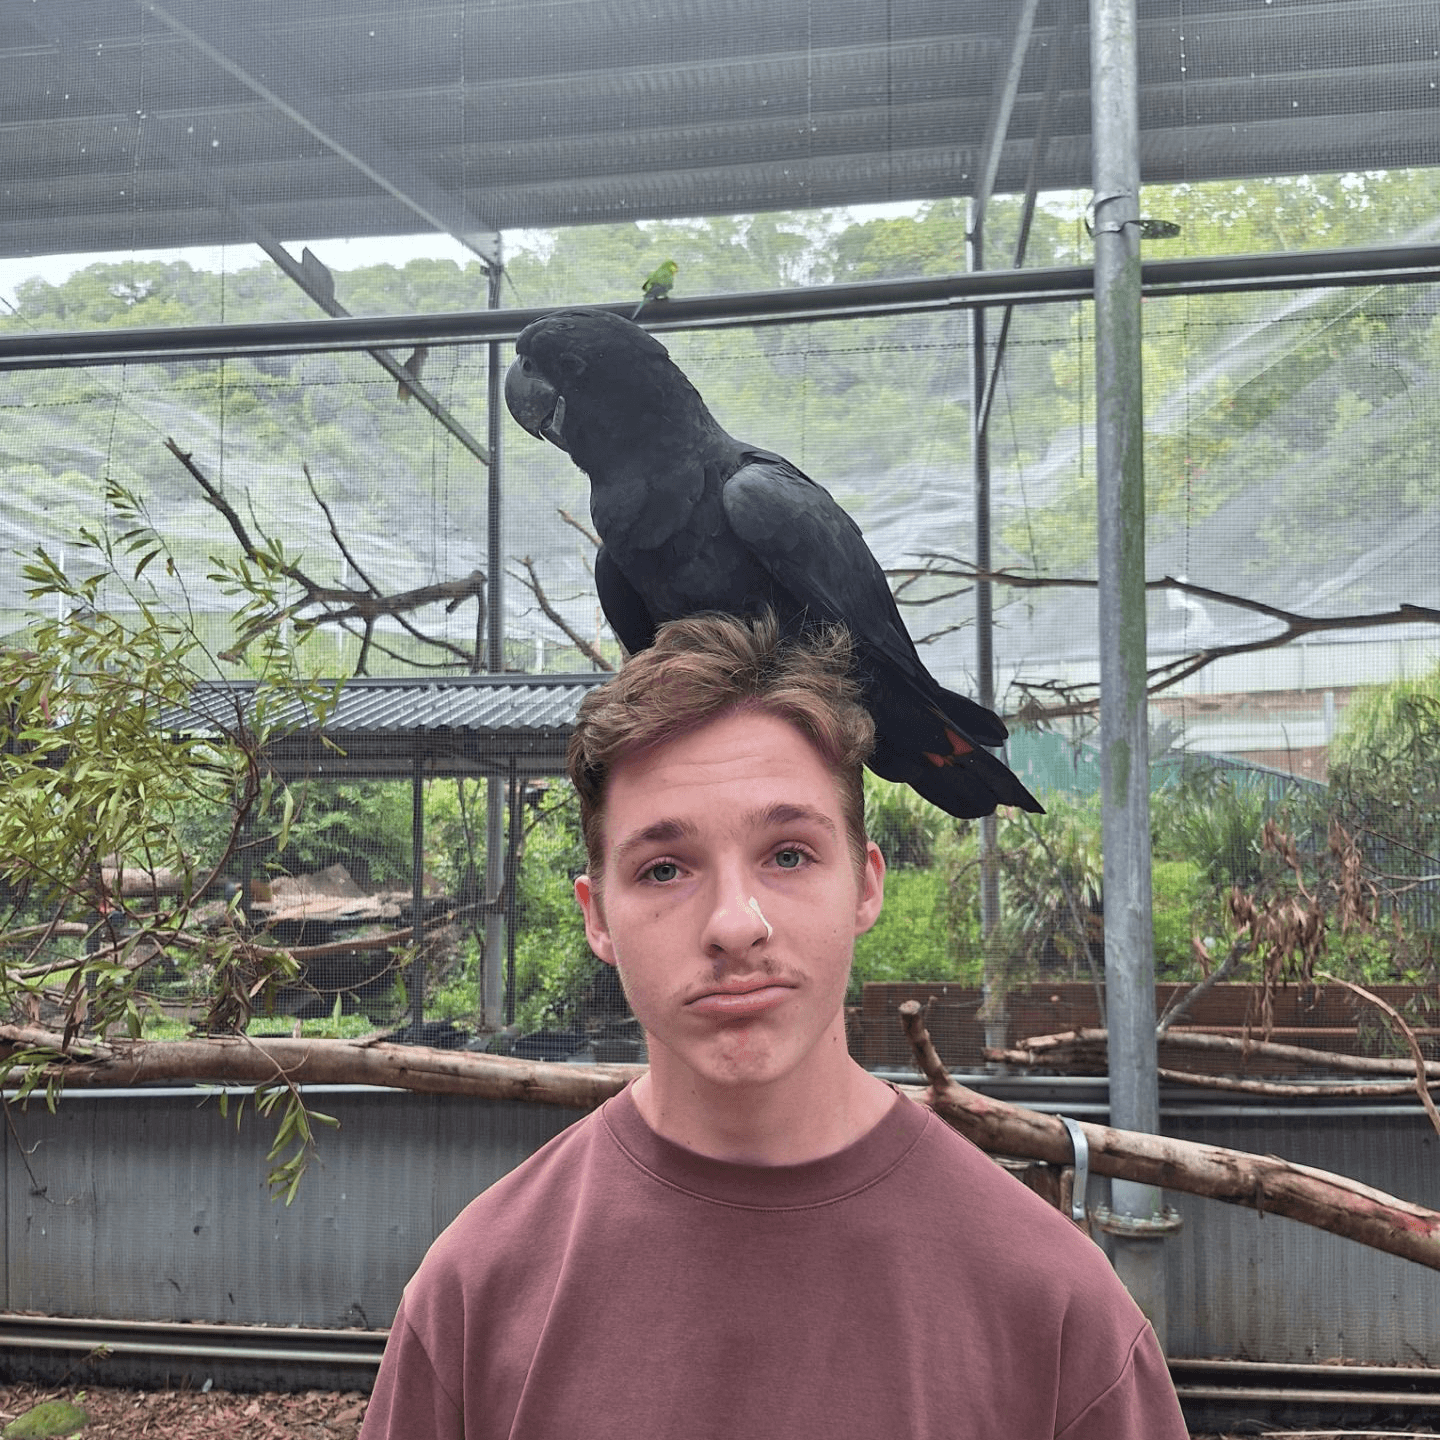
1264,1183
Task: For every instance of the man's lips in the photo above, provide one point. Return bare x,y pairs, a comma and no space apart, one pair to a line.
740,1002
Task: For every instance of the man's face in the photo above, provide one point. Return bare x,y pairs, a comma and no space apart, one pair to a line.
731,899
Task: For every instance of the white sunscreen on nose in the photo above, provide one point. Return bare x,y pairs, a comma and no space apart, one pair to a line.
769,928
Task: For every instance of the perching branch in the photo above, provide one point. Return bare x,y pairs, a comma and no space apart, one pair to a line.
1422,1068
1260,1182
1068,1045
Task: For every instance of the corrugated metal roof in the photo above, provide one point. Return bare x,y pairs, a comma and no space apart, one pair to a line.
473,724
126,125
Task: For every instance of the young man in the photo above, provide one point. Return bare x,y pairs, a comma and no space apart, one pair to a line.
757,1238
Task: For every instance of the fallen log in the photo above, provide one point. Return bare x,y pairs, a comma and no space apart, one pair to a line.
1300,1090
1315,1197
1263,1183
1052,1048
250,1060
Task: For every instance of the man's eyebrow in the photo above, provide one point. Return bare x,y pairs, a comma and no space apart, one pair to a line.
662,832
783,813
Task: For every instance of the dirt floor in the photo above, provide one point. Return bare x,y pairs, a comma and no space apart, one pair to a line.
307,1415
193,1415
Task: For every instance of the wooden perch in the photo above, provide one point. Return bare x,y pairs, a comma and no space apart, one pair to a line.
1261,1182
246,1060
1039,1049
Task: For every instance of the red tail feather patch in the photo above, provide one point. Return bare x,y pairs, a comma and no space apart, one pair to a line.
958,746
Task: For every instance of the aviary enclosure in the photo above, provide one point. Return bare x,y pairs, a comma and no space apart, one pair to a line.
1114,325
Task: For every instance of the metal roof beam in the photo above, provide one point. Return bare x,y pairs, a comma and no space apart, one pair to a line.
1213,275
336,126
1058,41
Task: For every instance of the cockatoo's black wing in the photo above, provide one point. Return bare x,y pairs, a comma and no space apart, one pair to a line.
927,736
624,608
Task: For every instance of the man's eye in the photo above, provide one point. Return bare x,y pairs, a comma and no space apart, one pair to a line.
663,871
789,859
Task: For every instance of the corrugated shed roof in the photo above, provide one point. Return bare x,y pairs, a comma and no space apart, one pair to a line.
380,727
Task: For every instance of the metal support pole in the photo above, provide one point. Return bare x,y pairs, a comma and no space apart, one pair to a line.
993,981
415,982
1135,1219
494,551
512,879
492,996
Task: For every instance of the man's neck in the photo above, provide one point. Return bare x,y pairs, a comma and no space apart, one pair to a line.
794,1120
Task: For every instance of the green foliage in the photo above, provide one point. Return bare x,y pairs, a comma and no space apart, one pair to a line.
1385,780
1051,886
905,826
1178,893
94,785
366,827
1383,765
914,938
554,968
1214,818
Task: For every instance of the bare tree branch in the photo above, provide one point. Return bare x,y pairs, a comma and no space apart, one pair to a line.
1181,1004
1262,1182
937,565
1059,1049
580,525
338,605
531,581
1398,1021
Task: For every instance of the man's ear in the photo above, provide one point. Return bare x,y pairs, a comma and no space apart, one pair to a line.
872,889
596,930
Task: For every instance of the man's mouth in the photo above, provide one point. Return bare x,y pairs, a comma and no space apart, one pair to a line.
751,1001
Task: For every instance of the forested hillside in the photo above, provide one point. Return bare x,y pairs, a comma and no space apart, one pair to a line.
1291,454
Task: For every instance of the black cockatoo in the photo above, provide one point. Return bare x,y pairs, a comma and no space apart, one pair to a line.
693,520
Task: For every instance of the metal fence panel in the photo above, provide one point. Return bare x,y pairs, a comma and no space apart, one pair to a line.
148,1206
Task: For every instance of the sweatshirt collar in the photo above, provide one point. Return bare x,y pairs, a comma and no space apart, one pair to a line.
859,1165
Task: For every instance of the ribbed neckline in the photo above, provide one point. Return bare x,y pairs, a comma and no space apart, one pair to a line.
767,1187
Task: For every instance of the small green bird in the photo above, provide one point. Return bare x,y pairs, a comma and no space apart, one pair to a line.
412,367
658,285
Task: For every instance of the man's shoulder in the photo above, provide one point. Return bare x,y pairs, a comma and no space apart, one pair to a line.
995,1220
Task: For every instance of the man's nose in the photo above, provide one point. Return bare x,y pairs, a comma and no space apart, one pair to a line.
736,923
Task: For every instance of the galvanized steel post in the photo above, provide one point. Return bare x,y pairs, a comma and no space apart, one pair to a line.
1136,1219
993,1009
492,989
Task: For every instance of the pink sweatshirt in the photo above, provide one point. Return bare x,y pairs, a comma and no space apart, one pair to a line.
616,1286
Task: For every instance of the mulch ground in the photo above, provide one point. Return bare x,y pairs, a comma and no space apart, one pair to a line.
307,1415
193,1415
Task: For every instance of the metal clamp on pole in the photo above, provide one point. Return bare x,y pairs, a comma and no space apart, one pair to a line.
1081,1147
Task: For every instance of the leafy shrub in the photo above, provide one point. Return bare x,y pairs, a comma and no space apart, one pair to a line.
915,937
1179,893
